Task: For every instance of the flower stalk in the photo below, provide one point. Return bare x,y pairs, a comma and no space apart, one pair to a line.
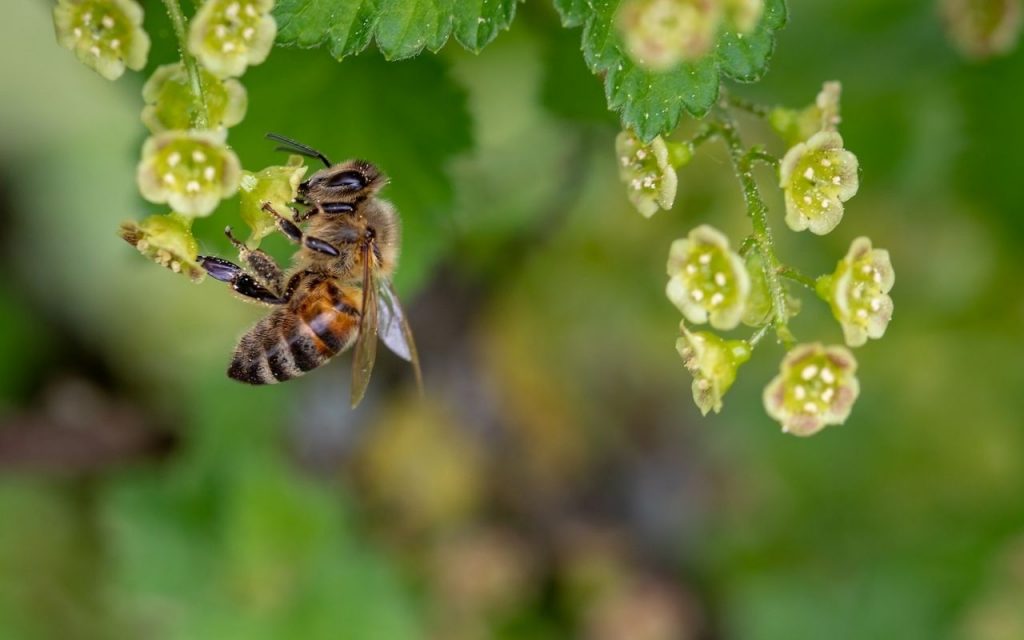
200,119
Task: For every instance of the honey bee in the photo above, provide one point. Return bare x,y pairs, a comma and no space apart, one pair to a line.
338,293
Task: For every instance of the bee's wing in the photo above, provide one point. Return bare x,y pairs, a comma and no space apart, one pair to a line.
394,329
366,342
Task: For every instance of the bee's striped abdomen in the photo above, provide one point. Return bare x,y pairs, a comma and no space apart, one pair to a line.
292,341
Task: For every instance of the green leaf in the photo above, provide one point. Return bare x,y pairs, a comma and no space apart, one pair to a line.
402,28
652,103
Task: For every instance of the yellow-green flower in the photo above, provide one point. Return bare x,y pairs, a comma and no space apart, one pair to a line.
276,185
817,177
106,35
192,171
858,292
707,281
983,28
713,362
816,387
659,34
166,240
229,35
648,172
170,104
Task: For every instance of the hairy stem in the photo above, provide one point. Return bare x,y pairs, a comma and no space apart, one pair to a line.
199,111
797,276
742,162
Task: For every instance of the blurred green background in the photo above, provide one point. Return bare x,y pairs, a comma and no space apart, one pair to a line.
557,481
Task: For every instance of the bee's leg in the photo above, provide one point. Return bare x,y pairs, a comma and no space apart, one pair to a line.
263,267
295,234
240,281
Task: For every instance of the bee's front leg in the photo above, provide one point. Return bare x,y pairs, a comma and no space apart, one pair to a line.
294,233
263,267
240,281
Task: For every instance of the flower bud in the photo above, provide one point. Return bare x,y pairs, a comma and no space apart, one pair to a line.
796,126
166,240
983,28
659,34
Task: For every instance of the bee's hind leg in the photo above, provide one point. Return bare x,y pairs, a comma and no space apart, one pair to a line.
263,268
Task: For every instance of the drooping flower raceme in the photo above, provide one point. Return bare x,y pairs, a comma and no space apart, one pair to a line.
170,103
166,240
659,34
983,28
192,171
707,281
817,177
816,387
648,172
229,35
713,362
106,35
858,292
276,185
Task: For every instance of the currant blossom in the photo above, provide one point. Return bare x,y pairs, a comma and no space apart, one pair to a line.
983,28
816,387
170,104
229,35
659,34
166,240
648,172
858,292
713,362
707,281
106,35
190,170
817,177
277,185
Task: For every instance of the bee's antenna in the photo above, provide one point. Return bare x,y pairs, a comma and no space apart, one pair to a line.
287,144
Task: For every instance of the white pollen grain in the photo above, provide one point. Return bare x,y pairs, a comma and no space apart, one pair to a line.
198,156
697,295
209,173
828,394
227,47
174,159
691,269
825,162
720,279
807,200
827,376
220,31
115,44
837,180
248,33
799,392
232,10
875,304
94,50
717,298
809,372
107,22
810,407
77,31
169,178
809,173
250,10
862,314
192,186
705,258
640,154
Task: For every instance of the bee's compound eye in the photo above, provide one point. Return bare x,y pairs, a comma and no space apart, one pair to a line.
347,180
337,207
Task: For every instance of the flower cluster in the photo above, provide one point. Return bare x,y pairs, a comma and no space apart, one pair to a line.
189,105
660,34
106,35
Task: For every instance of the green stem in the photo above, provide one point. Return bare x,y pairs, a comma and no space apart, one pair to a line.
743,104
760,333
797,276
742,162
199,111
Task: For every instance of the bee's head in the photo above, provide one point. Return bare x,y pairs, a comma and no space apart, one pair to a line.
347,182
